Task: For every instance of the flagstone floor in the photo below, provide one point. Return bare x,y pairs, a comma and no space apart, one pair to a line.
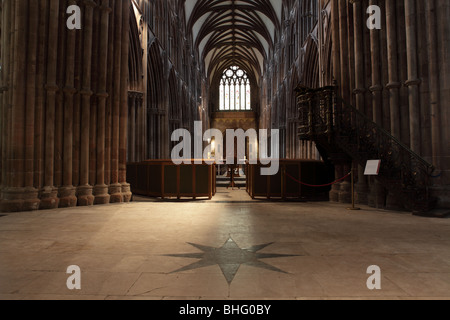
228,248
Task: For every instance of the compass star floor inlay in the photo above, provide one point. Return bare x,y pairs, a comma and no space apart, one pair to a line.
229,258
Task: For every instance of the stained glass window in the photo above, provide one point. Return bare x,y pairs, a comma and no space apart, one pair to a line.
234,90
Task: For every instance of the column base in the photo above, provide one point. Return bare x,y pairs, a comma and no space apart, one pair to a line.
67,197
345,194
393,202
101,194
115,190
377,195
85,196
49,198
442,193
126,192
334,193
19,199
362,194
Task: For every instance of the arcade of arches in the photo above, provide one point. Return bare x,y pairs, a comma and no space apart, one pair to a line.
77,105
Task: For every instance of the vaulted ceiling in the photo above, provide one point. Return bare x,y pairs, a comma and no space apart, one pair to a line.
233,32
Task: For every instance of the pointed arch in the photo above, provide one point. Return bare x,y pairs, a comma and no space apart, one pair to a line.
155,78
311,73
155,103
135,56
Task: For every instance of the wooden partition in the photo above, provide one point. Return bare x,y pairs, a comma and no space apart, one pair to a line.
163,179
284,186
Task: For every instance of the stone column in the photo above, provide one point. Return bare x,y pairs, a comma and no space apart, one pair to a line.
343,41
115,188
376,87
362,187
143,131
3,88
19,95
334,193
443,34
49,194
31,193
345,186
110,102
393,87
336,188
394,84
375,197
39,125
413,81
138,135
438,43
16,195
123,126
101,189
68,191
142,140
132,127
5,73
30,92
84,190
159,135
434,86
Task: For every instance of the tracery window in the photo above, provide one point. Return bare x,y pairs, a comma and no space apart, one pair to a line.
235,90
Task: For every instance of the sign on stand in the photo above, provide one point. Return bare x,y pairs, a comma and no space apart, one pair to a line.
373,168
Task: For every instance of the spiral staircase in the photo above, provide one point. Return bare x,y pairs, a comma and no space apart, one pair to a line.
341,131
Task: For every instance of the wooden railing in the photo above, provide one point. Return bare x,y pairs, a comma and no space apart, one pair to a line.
163,179
286,183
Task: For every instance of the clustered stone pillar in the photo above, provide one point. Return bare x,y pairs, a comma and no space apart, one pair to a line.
413,80
61,107
376,195
85,190
123,125
101,189
334,194
359,91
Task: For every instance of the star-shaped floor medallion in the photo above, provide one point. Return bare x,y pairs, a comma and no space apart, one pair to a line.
229,258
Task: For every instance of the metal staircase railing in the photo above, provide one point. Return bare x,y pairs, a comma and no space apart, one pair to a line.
339,127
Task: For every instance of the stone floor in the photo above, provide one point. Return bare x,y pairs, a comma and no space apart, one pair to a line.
227,248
